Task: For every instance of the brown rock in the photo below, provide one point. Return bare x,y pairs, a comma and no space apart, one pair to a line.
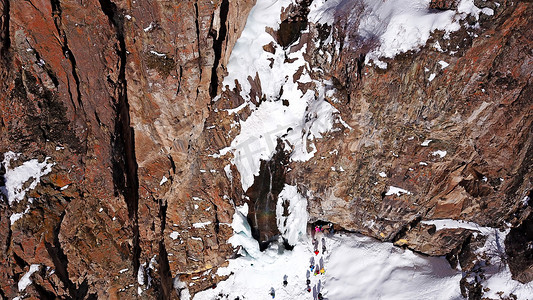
425,239
482,122
443,4
122,89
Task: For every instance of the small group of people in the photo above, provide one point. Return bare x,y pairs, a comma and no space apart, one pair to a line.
314,268
326,229
315,246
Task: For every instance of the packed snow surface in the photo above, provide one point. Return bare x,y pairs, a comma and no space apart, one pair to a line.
450,223
393,190
425,143
440,153
356,267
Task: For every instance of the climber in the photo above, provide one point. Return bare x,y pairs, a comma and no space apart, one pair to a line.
316,252
312,267
320,297
308,281
285,280
322,271
272,292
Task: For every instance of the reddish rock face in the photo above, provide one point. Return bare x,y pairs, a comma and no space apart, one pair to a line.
116,94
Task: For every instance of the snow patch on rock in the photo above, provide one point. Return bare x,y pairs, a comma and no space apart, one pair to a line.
286,112
15,177
396,191
398,25
242,233
26,280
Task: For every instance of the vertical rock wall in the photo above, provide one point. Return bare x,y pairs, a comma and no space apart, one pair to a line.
116,94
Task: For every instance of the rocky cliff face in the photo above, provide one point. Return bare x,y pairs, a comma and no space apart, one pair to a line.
124,100
115,93
449,125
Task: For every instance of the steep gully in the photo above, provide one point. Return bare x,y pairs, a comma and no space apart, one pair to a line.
124,162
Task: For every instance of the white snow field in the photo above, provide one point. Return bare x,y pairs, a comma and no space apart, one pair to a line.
356,267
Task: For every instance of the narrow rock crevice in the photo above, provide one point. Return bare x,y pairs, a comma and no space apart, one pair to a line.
180,76
8,240
172,164
60,261
164,272
4,28
217,221
124,161
217,46
56,14
197,25
166,286
2,294
71,97
19,261
519,248
43,293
